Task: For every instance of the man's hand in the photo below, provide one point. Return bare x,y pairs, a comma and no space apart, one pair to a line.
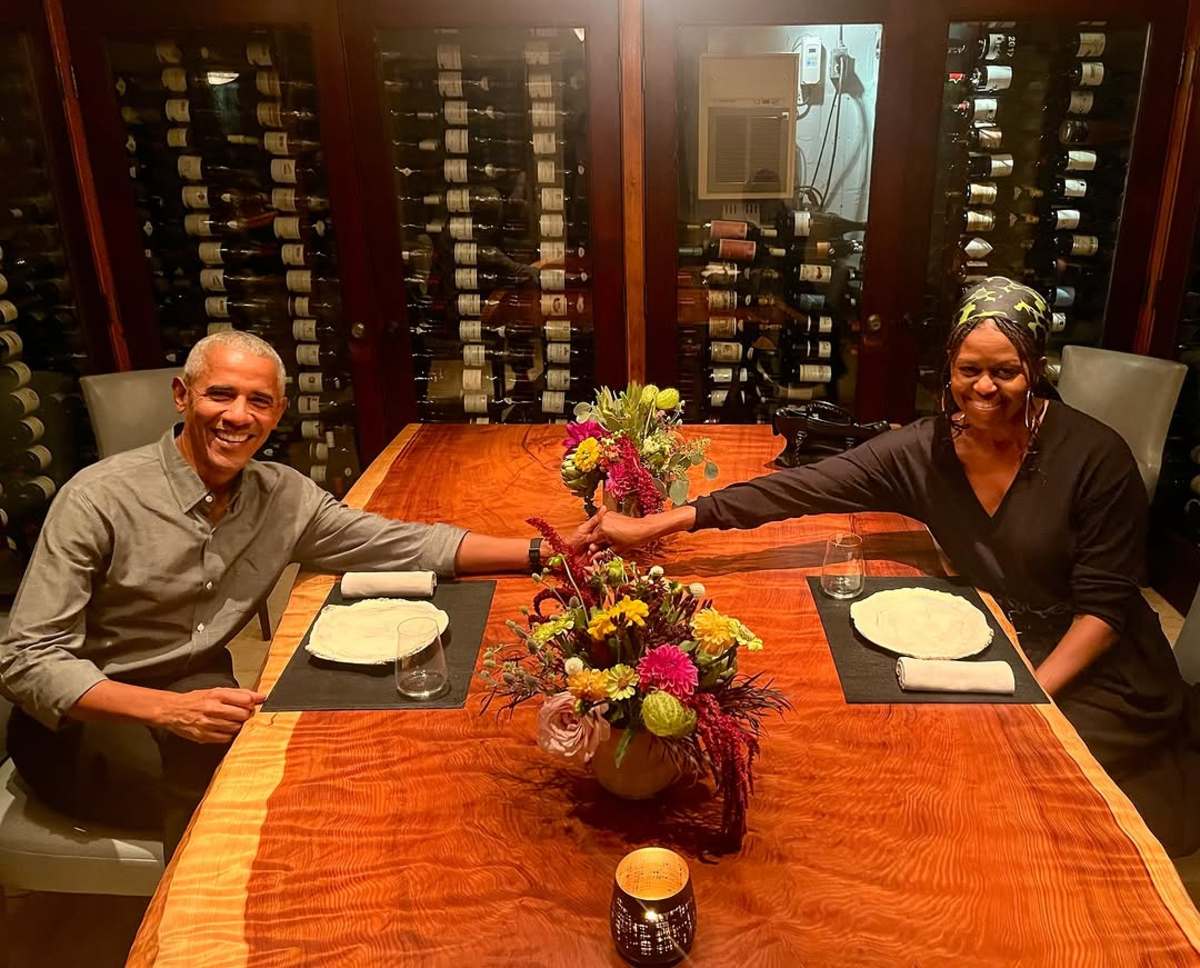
208,715
586,537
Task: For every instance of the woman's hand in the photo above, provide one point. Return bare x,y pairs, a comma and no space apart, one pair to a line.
585,538
623,532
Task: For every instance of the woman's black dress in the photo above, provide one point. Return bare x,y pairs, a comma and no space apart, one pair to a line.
1068,539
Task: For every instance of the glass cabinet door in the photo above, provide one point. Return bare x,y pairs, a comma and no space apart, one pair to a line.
45,289
1033,154
496,174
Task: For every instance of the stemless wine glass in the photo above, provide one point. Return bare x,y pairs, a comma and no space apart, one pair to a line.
842,571
420,659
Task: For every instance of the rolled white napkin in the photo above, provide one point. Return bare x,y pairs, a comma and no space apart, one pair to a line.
388,584
954,675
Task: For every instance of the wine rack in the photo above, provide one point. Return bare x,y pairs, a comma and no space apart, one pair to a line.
224,150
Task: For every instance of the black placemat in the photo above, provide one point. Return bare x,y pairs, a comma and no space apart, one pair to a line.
311,683
868,673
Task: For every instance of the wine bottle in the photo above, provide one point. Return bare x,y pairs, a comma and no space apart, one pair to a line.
238,252
1093,132
801,223
456,170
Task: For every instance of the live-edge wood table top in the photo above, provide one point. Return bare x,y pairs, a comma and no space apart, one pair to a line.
879,835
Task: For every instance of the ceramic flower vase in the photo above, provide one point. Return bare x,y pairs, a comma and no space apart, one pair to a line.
645,771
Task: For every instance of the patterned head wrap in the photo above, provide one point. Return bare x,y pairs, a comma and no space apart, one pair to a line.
1000,297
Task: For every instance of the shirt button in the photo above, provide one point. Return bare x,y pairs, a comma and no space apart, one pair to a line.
200,627
208,499
208,585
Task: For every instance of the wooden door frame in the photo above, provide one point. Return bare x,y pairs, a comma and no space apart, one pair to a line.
361,18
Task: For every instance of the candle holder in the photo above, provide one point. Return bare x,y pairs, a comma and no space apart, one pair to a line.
653,912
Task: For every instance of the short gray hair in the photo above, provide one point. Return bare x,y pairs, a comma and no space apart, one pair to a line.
234,339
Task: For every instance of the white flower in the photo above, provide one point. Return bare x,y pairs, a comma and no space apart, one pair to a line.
656,571
696,589
573,665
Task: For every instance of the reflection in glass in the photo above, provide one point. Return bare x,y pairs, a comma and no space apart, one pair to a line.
488,132
775,136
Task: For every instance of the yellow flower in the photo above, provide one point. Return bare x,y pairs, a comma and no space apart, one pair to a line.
587,454
588,684
604,621
713,631
621,681
632,610
601,626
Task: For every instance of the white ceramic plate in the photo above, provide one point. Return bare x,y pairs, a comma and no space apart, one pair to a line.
365,633
922,623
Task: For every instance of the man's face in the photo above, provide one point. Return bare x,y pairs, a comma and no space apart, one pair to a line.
228,412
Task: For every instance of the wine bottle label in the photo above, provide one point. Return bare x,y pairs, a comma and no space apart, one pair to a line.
557,330
545,143
168,52
311,429
543,114
722,327
456,141
980,221
27,400
824,349
1091,44
283,170
311,381
267,83
449,84
319,473
190,167
308,404
540,85
736,250
469,304
997,46
287,227
553,401
177,137
553,279
553,199
1064,296
1081,103
996,78
717,398
1091,73
547,172
174,79
217,306
1084,245
984,109
982,193
21,373
449,57
722,374
195,196
553,252
725,352
1081,160
806,272
801,224
555,304
45,486
40,457
1058,322
276,142
179,110
283,199
10,342
559,353
454,169
728,229
462,227
814,373
300,306
1067,218
212,280
466,278
458,200
455,112
1074,187
470,330
474,402
304,330
309,354
472,379
466,253
474,354
1001,165
721,299
825,324
558,378
299,280
537,54
990,137
551,225
977,249
258,53
217,327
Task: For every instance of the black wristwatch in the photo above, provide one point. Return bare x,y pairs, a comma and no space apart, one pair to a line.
535,554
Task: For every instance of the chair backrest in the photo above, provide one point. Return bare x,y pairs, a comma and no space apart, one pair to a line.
130,409
1187,646
1135,395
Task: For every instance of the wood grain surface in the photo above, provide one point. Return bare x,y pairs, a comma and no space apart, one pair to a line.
879,835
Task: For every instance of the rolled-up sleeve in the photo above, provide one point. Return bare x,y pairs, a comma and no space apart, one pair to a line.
40,665
339,538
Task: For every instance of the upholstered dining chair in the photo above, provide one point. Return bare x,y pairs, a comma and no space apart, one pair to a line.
1135,395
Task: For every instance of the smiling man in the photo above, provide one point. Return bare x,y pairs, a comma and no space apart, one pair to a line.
149,563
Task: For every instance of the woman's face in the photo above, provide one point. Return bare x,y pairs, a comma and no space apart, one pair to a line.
987,380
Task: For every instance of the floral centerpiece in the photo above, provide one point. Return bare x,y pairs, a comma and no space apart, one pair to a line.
629,442
612,650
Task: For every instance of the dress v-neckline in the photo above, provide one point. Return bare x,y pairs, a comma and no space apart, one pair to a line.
992,516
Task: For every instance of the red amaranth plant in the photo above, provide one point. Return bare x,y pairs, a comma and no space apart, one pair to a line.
731,750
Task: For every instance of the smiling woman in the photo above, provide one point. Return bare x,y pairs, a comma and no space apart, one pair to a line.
1038,504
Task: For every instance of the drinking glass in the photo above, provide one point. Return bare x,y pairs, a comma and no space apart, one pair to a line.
420,659
842,571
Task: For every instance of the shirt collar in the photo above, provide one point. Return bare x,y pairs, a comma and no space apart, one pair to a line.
185,483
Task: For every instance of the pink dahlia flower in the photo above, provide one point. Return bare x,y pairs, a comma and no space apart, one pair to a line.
581,431
564,731
668,668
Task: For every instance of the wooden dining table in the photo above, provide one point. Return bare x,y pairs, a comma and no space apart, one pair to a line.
929,834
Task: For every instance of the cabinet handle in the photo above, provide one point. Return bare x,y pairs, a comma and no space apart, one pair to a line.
357,330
